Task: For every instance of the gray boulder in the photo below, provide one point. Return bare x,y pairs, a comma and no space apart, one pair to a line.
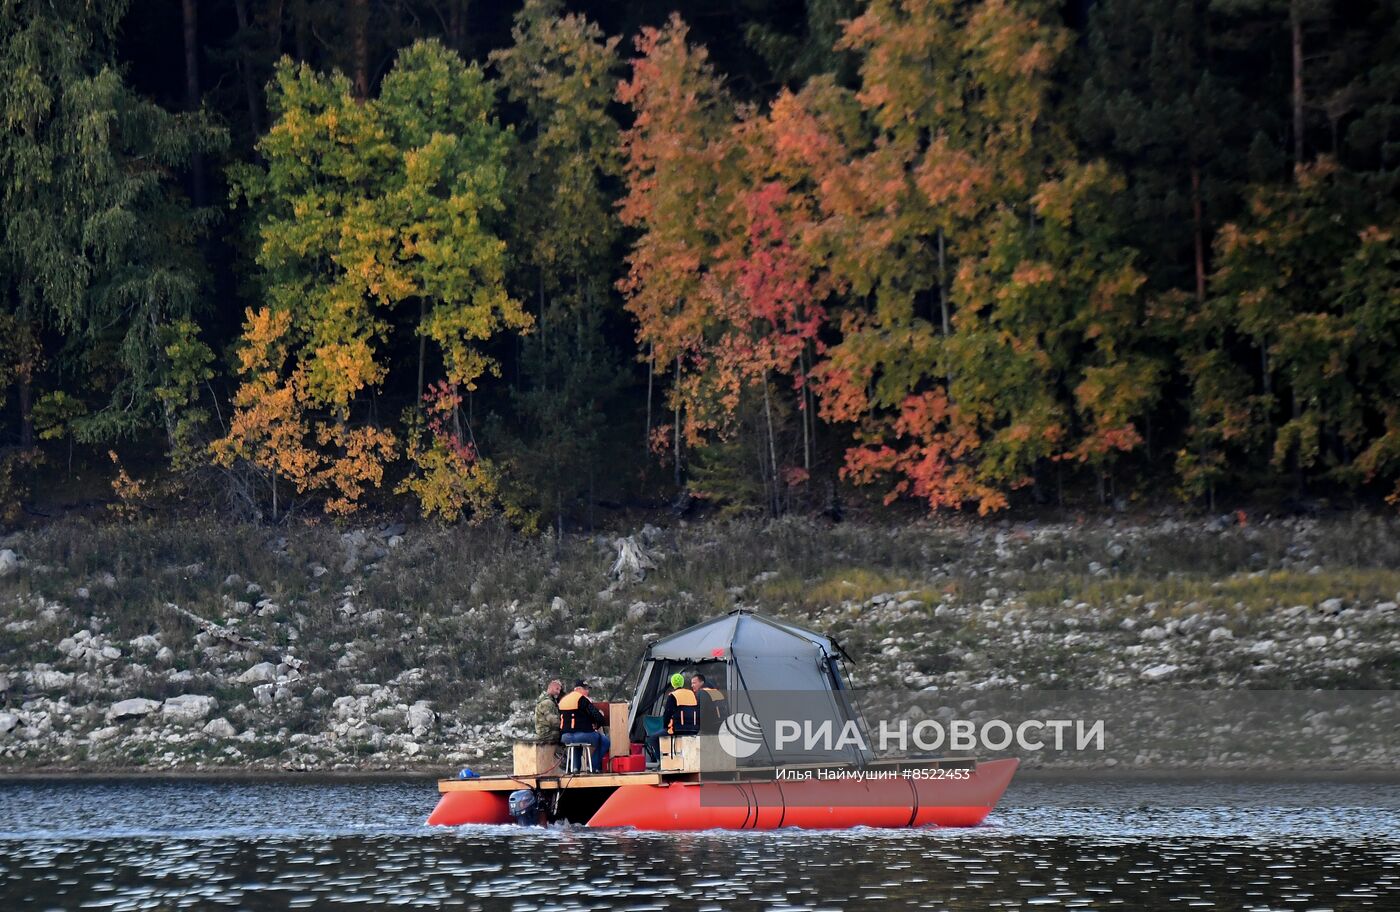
261,673
188,709
8,723
220,728
421,717
9,562
136,708
45,678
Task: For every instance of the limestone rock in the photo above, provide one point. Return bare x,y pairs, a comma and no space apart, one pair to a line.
132,709
421,717
261,673
188,708
42,677
220,728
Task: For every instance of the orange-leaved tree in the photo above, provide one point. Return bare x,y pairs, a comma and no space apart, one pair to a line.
678,157
721,280
993,319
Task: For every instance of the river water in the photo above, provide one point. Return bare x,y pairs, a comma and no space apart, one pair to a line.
180,844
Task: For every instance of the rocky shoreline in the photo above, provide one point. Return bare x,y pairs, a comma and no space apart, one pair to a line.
203,649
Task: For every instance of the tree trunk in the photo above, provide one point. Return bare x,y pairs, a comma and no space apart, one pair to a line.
274,28
457,26
1199,232
422,344
651,376
943,284
772,449
946,314
246,68
1264,370
359,47
1295,28
678,422
301,33
190,9
806,417
26,411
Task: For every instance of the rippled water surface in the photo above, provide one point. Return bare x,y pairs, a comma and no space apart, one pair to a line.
276,845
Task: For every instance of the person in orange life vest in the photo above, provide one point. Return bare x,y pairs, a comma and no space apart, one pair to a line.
579,721
680,713
713,707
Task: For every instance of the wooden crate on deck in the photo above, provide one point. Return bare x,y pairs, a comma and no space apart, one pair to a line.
618,720
680,754
532,758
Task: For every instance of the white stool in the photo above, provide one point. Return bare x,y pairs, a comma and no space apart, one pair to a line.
578,757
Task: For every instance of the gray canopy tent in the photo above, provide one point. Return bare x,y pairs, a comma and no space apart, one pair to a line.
765,666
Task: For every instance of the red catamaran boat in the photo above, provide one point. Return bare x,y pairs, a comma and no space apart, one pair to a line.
765,666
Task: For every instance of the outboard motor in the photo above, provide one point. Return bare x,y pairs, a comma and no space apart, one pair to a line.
525,807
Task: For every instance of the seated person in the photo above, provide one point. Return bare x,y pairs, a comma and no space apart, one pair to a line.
578,723
713,708
680,716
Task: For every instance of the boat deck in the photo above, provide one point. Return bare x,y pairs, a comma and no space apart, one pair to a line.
553,781
505,782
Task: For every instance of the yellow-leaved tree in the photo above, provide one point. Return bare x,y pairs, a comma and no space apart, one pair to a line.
368,214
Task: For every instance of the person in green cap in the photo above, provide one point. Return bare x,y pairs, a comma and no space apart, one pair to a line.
680,715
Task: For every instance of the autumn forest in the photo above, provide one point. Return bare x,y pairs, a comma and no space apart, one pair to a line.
538,260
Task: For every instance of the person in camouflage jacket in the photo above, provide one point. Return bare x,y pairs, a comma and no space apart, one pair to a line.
547,713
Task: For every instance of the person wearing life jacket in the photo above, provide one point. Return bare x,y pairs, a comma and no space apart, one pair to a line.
579,721
680,715
713,707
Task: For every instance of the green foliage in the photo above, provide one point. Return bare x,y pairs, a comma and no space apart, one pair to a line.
95,240
54,414
363,207
1307,280
188,368
562,71
366,209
